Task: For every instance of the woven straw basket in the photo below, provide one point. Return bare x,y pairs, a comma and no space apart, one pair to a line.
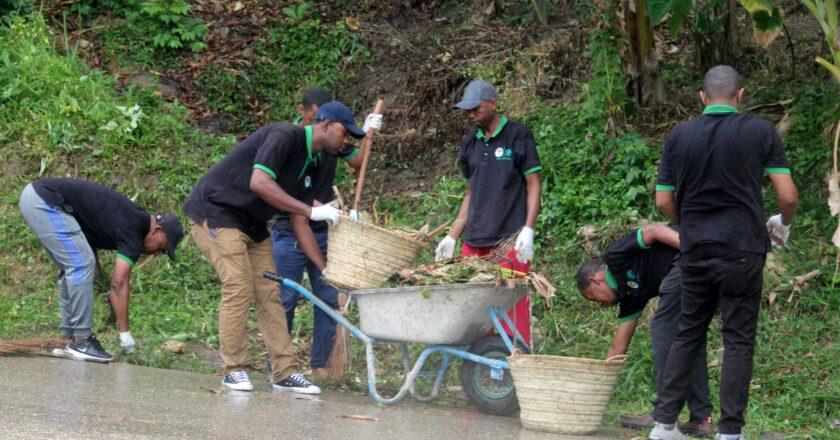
362,256
563,394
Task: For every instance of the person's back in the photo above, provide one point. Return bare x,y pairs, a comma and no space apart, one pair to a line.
719,160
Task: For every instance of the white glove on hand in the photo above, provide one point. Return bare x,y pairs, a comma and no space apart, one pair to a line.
777,228
372,121
327,213
446,249
127,342
524,245
356,216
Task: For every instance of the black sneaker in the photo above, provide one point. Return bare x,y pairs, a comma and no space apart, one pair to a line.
89,349
237,380
296,383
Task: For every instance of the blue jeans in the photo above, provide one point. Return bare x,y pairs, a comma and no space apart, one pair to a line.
290,262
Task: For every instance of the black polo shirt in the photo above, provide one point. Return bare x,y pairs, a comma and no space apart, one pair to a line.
108,219
495,168
321,178
635,271
716,164
223,196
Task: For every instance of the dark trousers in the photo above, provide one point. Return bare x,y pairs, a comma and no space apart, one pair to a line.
663,329
291,262
715,277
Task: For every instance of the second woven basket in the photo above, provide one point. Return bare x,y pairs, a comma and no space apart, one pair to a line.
563,394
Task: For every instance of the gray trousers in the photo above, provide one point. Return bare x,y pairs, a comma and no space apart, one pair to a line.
62,237
664,327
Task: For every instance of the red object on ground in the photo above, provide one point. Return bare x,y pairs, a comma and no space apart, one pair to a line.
521,313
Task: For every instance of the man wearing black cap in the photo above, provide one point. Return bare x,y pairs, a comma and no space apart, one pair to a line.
73,219
500,164
300,244
230,207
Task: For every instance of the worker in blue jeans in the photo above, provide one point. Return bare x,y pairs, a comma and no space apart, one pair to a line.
301,244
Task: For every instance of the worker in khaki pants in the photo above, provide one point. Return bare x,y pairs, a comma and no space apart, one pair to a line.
240,263
269,171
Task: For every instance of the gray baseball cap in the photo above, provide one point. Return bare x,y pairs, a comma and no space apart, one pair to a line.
477,91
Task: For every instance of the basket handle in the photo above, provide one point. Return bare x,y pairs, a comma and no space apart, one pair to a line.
618,358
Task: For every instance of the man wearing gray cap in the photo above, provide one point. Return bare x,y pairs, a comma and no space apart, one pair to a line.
500,164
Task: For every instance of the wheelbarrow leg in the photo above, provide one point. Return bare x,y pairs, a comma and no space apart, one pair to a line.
495,313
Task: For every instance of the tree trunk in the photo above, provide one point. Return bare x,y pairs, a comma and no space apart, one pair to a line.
641,62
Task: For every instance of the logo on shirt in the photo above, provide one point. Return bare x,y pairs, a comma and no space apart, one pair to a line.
503,153
307,182
632,279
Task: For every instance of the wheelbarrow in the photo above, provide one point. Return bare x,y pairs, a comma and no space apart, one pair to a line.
453,320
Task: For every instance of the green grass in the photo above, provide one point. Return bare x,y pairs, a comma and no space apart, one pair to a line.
56,120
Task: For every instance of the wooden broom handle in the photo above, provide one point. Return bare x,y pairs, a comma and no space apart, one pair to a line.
367,144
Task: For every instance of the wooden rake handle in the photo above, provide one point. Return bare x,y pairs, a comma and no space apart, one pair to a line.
367,144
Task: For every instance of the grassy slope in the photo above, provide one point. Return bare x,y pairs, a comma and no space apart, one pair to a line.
52,109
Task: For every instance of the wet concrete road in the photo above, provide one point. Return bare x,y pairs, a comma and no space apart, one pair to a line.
47,398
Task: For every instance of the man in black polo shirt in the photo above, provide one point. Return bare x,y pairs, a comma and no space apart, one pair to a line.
637,268
502,172
75,218
230,207
710,180
300,244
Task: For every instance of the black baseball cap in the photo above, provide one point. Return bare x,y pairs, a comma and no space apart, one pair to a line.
337,112
173,230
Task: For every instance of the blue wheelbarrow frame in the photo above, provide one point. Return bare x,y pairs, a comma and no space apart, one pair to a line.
497,367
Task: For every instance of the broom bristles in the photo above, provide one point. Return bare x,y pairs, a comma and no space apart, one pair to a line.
339,361
30,346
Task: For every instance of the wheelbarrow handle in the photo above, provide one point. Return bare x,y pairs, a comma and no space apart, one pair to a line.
273,276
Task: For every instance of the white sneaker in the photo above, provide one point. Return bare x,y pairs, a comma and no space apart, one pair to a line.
720,436
296,383
237,380
660,433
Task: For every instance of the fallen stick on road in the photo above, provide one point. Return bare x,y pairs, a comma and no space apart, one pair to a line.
30,346
359,417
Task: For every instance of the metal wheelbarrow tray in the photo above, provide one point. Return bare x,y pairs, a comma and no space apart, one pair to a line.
454,314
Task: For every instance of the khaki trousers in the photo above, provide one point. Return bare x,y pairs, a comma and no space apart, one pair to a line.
240,263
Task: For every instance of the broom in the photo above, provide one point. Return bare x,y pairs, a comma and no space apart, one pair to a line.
339,362
30,346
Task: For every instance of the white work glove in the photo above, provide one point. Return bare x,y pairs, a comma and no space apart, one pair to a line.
524,246
356,216
446,249
127,342
777,228
372,121
327,212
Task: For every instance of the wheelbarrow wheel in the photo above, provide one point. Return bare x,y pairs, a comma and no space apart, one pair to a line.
490,395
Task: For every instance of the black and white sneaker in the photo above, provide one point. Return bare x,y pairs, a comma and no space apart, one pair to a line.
296,383
237,380
88,349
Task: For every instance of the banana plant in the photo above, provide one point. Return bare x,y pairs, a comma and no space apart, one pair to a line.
826,13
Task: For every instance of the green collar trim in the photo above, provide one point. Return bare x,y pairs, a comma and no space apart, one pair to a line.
719,108
610,279
297,120
480,132
310,158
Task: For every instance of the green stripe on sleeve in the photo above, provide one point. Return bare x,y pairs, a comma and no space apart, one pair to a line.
630,317
532,170
641,240
266,169
126,259
666,187
777,170
351,155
